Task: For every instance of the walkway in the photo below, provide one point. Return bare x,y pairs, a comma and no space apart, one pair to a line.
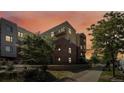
91,75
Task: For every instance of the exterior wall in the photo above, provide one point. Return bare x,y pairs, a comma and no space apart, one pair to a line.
5,25
62,28
25,32
65,39
81,48
16,40
64,54
20,39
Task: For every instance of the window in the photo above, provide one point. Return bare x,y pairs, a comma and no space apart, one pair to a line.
69,50
59,49
20,34
7,48
8,38
81,47
59,59
69,30
8,28
69,59
52,34
62,29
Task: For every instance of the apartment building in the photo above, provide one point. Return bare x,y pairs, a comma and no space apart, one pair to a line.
10,37
81,46
69,45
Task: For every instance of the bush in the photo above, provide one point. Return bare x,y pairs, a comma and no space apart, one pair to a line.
10,67
83,60
95,59
3,63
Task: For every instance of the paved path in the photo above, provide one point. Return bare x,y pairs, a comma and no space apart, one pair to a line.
91,75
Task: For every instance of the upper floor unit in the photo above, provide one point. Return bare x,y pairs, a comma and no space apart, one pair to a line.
63,30
66,31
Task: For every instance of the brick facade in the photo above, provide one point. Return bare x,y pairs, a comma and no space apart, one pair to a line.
66,37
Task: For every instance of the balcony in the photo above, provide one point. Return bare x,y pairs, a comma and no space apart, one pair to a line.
60,33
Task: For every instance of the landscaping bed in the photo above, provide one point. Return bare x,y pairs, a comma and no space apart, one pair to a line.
107,76
17,73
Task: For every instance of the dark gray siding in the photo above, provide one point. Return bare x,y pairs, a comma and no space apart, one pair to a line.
10,29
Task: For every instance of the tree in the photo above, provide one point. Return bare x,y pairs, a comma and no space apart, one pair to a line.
108,35
95,59
36,49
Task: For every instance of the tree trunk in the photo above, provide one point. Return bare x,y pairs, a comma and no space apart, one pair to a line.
113,63
113,69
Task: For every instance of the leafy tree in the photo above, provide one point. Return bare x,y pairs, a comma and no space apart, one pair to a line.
94,59
36,49
108,35
106,56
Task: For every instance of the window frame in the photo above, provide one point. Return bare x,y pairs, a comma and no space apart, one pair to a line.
9,47
20,34
69,50
8,38
52,34
70,60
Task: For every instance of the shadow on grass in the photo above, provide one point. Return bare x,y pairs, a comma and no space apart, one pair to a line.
34,76
28,76
71,68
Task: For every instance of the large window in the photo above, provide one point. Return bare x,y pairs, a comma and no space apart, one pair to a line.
52,34
9,28
69,50
8,49
20,34
69,30
81,47
8,38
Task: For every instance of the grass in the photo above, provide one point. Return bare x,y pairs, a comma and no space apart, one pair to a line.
106,76
62,74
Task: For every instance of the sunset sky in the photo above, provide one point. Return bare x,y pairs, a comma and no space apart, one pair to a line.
42,21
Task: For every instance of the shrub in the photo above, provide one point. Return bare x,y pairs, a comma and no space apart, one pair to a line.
95,59
10,67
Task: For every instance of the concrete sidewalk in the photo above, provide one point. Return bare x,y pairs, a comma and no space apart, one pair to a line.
91,75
